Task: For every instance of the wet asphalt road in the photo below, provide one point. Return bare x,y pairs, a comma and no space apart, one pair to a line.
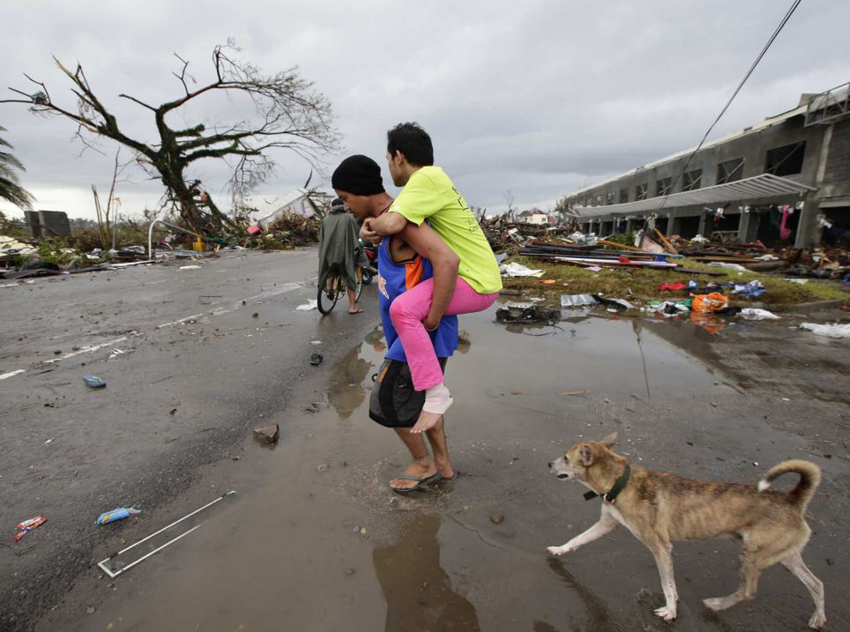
190,370
313,540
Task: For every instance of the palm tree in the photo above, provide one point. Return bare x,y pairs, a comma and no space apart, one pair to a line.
10,190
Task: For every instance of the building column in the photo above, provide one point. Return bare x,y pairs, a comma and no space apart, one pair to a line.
629,225
706,225
747,227
808,233
673,224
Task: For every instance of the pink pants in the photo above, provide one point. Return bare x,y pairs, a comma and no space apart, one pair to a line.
411,308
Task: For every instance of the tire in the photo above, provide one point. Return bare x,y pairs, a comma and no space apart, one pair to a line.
367,277
327,299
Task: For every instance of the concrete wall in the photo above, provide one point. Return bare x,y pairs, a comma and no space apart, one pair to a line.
826,167
752,147
836,181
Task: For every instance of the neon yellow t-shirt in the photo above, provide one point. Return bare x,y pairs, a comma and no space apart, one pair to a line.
430,194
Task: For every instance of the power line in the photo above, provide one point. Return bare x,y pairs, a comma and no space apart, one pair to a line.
764,50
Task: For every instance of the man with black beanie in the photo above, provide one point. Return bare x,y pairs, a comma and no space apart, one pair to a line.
357,181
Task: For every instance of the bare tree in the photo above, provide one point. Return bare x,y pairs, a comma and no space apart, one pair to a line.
288,114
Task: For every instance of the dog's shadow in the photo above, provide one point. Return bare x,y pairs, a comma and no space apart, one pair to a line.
601,619
599,616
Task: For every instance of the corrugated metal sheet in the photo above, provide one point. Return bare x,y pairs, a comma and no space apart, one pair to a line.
759,187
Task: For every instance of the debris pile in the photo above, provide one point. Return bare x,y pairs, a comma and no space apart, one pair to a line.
504,234
818,263
287,232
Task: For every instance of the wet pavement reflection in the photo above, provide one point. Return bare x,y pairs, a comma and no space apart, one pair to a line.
317,541
418,591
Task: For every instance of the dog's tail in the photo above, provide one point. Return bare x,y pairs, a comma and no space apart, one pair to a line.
805,489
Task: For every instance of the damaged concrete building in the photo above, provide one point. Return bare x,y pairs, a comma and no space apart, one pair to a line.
784,180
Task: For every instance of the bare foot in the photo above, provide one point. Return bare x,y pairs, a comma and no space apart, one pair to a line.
420,468
425,422
444,466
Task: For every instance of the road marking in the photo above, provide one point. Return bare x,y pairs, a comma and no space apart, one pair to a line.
221,311
88,349
180,322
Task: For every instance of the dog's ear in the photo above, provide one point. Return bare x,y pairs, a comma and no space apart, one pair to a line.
586,455
610,441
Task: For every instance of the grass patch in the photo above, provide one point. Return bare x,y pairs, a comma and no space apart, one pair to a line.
642,284
57,251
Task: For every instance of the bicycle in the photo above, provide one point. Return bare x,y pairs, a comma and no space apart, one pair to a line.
331,287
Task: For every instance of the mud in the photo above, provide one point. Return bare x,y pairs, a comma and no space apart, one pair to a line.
315,540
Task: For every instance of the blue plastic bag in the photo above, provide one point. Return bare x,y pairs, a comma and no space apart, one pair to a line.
116,514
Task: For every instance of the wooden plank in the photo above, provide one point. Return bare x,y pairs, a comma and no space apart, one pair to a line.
614,244
666,243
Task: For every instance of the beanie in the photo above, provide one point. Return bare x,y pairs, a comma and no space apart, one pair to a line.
358,175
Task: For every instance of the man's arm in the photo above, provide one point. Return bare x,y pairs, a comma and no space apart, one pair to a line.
445,262
390,223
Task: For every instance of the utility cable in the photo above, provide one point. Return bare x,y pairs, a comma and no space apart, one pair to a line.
782,23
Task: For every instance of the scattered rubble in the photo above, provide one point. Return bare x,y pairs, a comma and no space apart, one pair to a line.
269,433
527,313
287,232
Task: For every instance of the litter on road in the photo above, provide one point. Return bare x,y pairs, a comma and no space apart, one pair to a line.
309,305
709,302
519,270
528,313
752,313
93,381
116,514
577,300
833,331
28,525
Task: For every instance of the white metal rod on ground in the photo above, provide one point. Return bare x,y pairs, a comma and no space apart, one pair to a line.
106,570
124,550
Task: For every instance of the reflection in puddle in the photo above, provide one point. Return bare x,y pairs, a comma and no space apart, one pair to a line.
345,387
599,617
418,591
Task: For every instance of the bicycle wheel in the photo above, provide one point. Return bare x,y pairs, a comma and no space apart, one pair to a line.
367,276
326,297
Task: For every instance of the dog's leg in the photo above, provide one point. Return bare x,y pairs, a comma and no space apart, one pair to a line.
663,553
797,567
750,573
606,525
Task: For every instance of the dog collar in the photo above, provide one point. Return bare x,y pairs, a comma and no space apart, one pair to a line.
611,496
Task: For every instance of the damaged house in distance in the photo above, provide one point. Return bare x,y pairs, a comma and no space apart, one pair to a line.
786,179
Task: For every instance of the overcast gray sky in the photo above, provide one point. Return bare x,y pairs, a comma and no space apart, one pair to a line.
537,98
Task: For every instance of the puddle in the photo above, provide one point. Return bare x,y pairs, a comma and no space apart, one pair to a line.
316,541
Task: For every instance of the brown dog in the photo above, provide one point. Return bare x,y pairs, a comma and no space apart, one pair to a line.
658,507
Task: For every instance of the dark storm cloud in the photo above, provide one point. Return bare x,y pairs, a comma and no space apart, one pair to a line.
538,98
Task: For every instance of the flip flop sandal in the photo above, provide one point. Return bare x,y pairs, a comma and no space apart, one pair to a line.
419,482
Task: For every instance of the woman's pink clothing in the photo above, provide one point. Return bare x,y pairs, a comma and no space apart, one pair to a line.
411,308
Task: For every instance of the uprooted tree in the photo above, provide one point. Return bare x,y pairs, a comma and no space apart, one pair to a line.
288,113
